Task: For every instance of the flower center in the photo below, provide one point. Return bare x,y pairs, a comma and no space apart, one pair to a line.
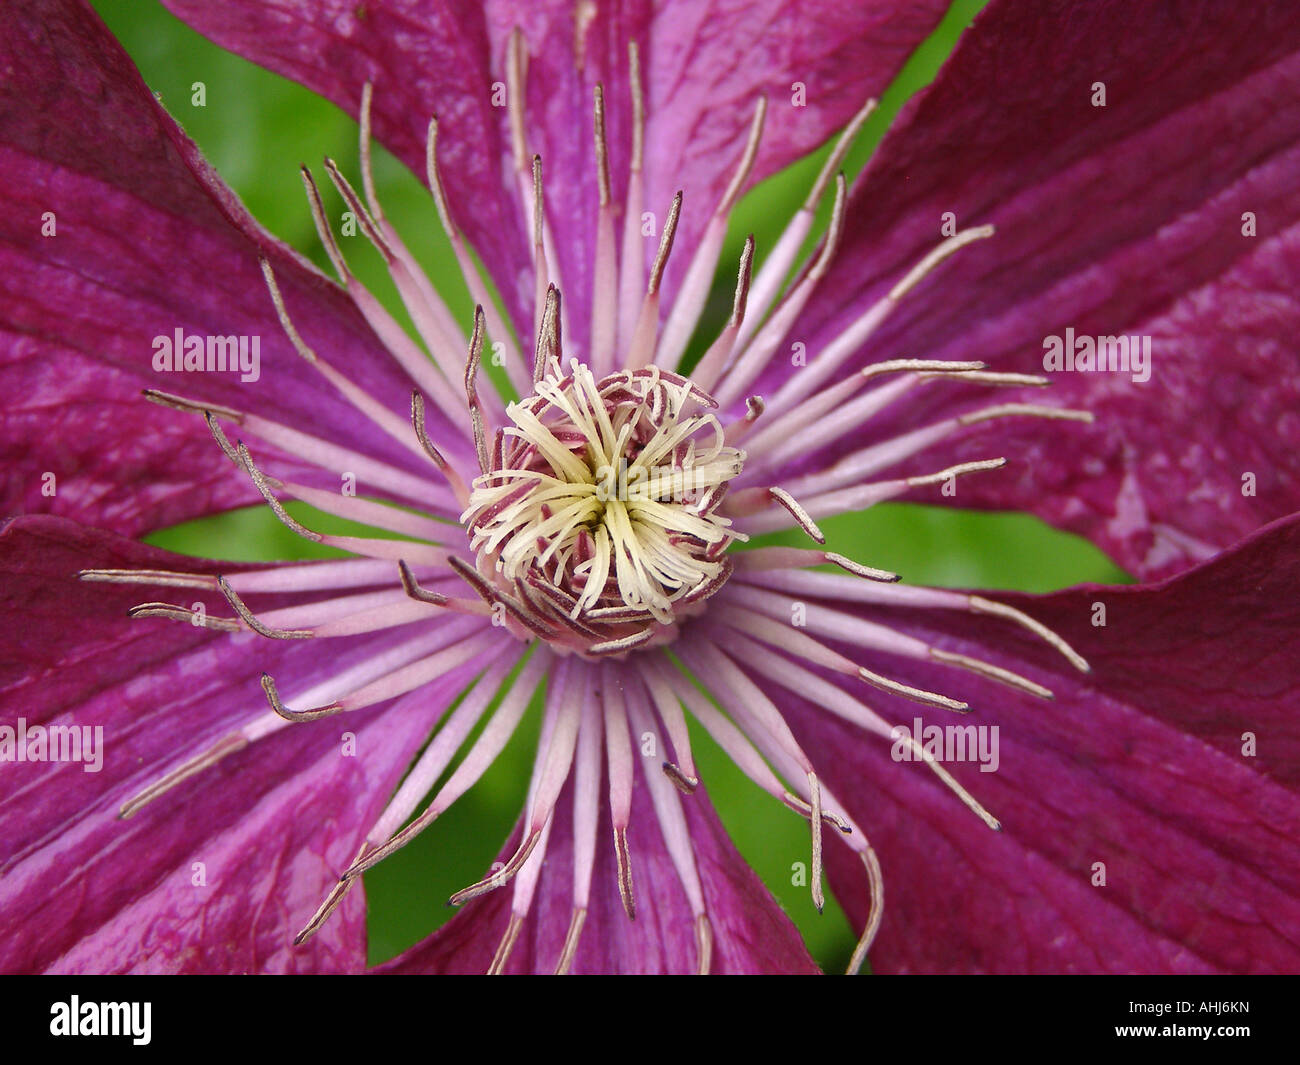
599,513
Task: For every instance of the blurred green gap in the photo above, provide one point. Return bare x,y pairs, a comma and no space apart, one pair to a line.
256,129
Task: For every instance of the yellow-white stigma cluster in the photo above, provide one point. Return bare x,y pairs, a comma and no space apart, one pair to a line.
599,515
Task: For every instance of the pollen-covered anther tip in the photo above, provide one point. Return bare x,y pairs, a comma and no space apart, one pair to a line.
498,877
683,783
598,522
273,697
624,857
704,944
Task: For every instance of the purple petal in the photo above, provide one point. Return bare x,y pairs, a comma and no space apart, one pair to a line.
751,933
705,64
1148,764
273,824
1125,219
147,241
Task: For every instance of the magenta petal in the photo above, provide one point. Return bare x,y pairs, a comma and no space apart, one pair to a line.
1146,765
751,933
272,825
147,240
1115,220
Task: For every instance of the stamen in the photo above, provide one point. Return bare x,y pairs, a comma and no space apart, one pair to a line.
833,356
200,581
683,783
190,406
219,435
618,763
709,370
232,597
180,613
323,230
641,350
312,449
987,606
867,495
733,741
859,570
541,268
473,280
919,753
604,295
797,512
367,223
516,78
741,174
312,576
684,777
602,149
492,596
815,805
273,697
777,634
1026,409
803,682
367,176
852,468
822,585
704,944
781,558
758,353
377,412
836,625
327,907
625,643
471,390
448,471
571,941
876,882
501,877
672,826
631,271
506,945
516,84
695,285
365,511
665,247
210,757
586,813
980,377
805,810
624,857
987,669
794,424
976,466
549,351
491,741
638,104
918,695
427,311
412,587
782,256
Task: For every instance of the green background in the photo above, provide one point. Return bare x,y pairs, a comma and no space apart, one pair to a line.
256,128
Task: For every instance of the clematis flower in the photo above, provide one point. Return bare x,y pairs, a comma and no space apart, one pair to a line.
583,534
